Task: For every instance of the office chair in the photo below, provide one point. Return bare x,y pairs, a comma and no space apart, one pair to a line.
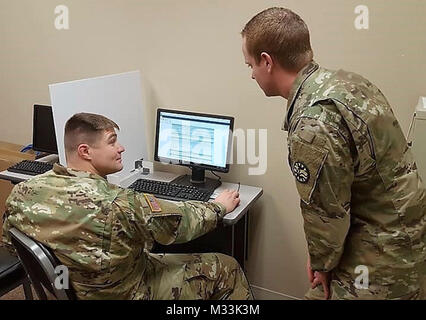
40,265
12,274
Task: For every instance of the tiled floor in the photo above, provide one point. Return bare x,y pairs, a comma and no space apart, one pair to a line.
16,294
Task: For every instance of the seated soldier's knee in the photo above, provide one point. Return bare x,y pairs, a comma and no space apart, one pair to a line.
232,281
227,261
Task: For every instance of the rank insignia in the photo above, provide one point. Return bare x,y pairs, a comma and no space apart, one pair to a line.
301,172
152,202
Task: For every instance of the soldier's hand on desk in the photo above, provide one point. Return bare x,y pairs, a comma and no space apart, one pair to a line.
229,198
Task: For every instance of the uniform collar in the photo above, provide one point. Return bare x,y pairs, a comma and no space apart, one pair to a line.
63,171
302,76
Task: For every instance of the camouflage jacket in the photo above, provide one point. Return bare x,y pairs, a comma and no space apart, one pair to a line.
101,232
362,200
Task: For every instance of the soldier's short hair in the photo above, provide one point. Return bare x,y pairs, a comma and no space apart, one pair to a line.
85,128
282,34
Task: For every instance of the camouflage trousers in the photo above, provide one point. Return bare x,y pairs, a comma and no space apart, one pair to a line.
342,288
193,277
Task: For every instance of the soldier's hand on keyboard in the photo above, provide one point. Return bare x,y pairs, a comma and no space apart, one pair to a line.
229,198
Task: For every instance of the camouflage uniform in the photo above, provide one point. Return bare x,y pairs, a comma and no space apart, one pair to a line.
362,200
104,235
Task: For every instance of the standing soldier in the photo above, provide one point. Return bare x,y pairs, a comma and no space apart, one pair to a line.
362,200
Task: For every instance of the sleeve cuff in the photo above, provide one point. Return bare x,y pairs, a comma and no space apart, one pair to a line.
322,266
221,210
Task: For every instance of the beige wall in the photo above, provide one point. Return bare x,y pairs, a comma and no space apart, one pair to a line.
189,53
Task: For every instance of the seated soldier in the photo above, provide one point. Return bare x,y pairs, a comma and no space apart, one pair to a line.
103,233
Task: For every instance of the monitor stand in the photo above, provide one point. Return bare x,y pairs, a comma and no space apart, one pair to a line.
198,179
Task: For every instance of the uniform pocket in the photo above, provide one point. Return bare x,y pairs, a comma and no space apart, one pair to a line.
396,249
200,270
306,162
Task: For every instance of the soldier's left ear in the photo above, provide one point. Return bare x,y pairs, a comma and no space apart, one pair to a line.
83,151
269,62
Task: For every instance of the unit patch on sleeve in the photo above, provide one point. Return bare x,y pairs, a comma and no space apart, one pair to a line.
301,172
306,162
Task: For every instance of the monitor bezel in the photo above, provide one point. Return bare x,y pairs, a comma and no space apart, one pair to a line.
192,164
35,116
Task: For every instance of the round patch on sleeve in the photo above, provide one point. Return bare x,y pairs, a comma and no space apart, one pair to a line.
301,172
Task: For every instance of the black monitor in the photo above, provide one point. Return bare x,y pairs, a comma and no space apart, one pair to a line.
199,141
44,137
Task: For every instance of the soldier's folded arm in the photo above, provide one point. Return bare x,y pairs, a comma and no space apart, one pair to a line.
181,222
322,163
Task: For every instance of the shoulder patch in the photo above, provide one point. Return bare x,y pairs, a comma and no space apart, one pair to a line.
301,172
306,162
152,202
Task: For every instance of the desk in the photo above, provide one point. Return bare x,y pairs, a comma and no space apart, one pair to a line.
230,238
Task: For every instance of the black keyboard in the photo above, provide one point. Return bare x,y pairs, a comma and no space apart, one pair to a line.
171,191
31,167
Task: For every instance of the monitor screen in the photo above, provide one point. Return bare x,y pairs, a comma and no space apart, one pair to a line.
193,139
44,137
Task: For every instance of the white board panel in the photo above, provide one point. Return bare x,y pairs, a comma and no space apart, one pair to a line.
117,97
421,109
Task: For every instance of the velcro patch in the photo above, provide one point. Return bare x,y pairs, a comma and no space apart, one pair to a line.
152,202
306,163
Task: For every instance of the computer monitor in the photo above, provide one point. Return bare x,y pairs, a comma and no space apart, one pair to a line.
199,141
44,137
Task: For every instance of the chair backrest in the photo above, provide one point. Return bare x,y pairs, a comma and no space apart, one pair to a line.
40,264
